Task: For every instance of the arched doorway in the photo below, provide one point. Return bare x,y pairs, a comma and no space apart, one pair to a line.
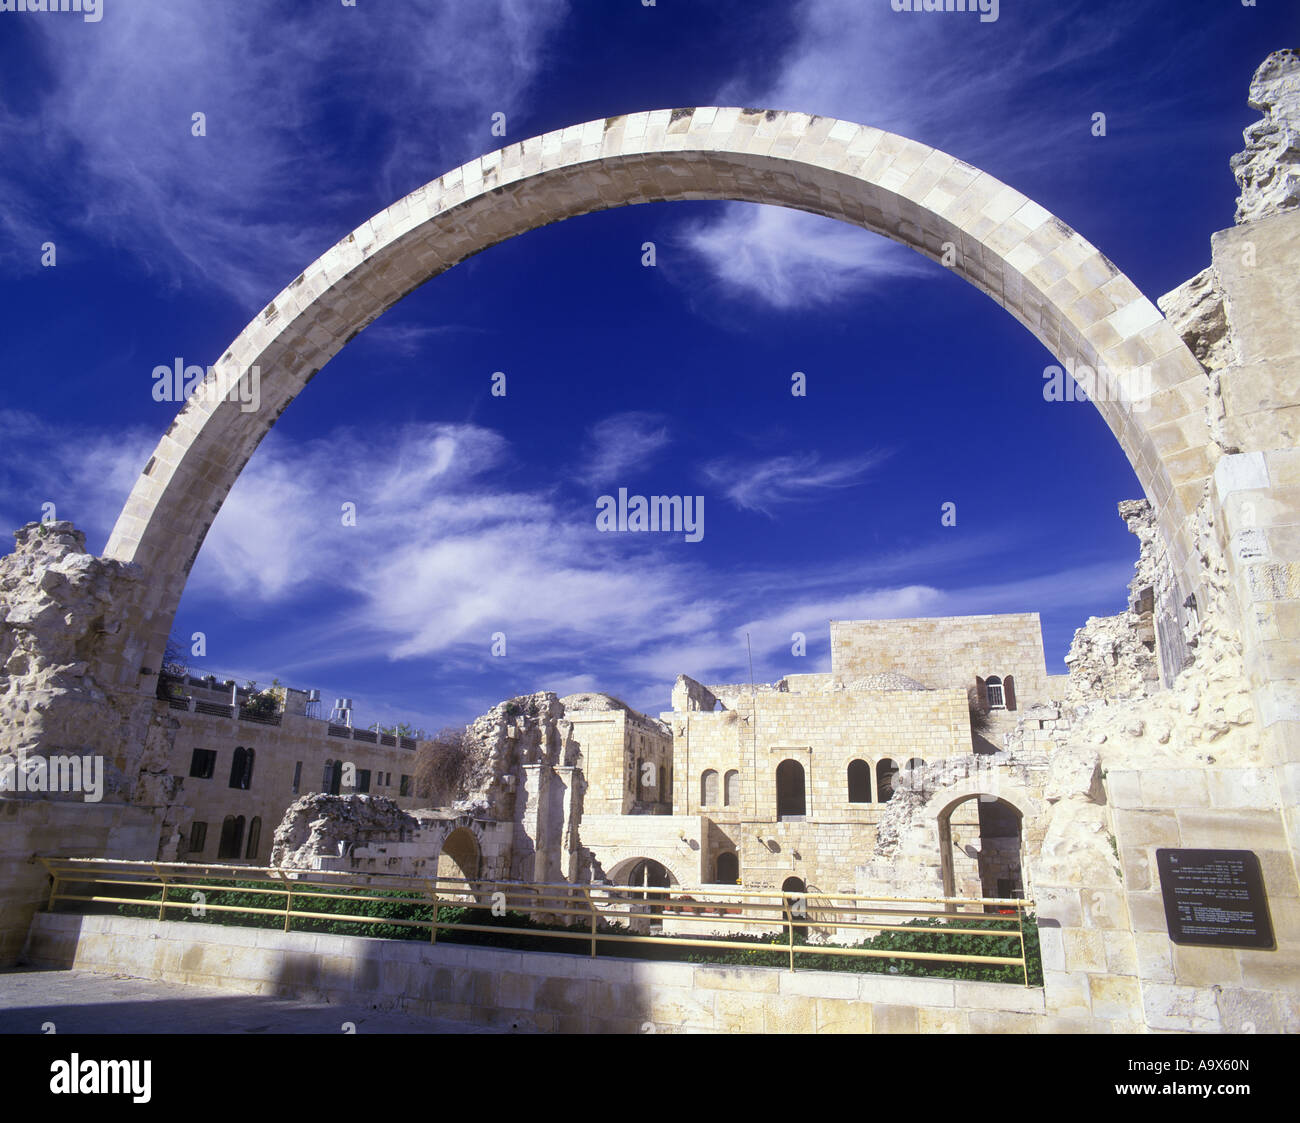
459,856
980,848
1069,295
791,802
727,869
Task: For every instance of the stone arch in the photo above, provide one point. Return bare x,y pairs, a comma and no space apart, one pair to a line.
622,868
1070,296
460,855
976,792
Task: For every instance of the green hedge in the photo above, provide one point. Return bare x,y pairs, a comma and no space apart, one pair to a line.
924,935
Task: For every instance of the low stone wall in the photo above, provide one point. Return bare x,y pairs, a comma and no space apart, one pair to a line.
64,828
530,991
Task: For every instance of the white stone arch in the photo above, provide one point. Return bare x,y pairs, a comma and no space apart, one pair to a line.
997,786
618,868
1069,295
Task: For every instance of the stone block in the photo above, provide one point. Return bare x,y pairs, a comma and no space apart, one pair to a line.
887,1018
1232,830
1147,828
1085,950
991,1021
1174,788
737,1012
1187,1009
682,1007
1155,956
942,1021
835,1015
1249,1011
1114,997
752,980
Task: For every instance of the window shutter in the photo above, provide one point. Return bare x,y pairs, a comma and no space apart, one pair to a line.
982,692
1009,692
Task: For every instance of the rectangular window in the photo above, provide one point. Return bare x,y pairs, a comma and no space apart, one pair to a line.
297,777
198,837
406,786
363,779
203,763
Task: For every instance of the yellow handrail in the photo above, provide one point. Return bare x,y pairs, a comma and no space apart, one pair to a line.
585,905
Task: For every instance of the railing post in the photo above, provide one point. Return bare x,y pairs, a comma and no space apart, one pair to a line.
288,903
789,920
162,904
433,916
1024,958
592,906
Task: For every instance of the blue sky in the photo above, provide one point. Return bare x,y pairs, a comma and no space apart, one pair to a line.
475,513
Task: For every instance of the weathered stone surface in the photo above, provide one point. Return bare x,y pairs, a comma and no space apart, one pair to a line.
1196,312
61,614
1268,168
318,826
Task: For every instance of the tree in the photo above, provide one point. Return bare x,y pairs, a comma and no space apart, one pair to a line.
441,767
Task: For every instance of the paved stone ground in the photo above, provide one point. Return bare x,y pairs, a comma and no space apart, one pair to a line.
89,1002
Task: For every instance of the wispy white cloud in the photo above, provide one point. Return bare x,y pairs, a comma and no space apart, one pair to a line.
287,93
622,443
86,474
764,484
449,549
944,80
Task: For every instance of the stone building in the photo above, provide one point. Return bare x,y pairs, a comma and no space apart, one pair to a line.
236,770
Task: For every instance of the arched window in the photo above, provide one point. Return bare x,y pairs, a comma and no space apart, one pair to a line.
638,777
327,776
790,802
994,687
916,762
232,836
859,781
709,788
241,769
254,837
335,778
731,789
727,870
886,770
662,794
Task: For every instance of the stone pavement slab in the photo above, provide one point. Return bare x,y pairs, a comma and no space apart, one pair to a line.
75,1001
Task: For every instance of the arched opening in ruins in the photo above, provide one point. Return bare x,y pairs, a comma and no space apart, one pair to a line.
886,770
980,847
791,802
459,856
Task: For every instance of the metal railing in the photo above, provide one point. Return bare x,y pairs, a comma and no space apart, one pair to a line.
590,912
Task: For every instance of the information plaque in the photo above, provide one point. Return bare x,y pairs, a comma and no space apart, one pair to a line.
1215,897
